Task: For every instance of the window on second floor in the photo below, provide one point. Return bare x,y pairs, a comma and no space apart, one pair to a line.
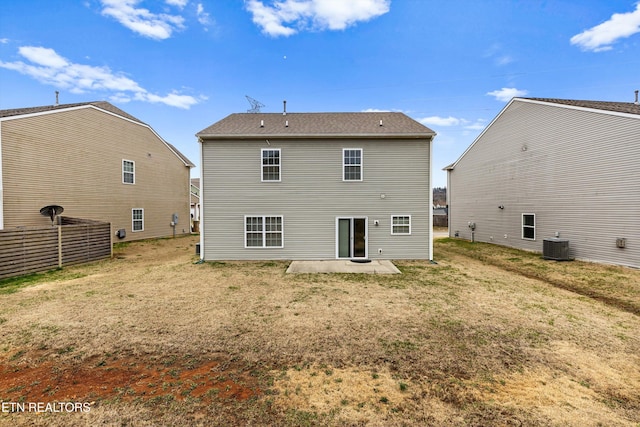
128,172
270,164
352,164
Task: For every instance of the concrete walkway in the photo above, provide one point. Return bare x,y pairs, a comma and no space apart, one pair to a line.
343,266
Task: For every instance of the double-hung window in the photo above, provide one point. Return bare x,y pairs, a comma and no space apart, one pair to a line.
128,172
529,226
401,224
263,232
271,164
137,219
352,164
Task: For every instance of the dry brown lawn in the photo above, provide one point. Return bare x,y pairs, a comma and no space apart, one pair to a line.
488,336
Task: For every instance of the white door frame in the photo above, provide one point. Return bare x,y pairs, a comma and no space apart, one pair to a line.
351,237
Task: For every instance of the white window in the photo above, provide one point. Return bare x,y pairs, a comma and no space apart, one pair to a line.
352,164
271,164
137,219
128,172
401,224
529,226
263,232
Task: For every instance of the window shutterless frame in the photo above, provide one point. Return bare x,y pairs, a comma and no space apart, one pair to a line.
400,225
263,231
128,171
352,164
270,167
137,219
529,226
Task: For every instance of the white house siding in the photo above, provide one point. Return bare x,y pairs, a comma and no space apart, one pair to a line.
311,195
576,170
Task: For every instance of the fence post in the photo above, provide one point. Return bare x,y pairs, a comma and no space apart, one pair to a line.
59,246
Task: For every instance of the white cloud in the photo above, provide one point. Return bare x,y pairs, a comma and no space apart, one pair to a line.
602,36
203,17
375,110
158,26
440,121
478,125
4,41
287,17
506,93
178,3
48,67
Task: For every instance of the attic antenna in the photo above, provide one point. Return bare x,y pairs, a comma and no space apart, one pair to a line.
255,104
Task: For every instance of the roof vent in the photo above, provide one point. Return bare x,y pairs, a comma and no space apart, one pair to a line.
261,123
286,123
284,112
58,101
380,122
636,101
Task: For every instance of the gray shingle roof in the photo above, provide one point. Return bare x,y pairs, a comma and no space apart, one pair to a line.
316,125
618,107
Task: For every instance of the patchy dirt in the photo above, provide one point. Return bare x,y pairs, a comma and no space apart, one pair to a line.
125,379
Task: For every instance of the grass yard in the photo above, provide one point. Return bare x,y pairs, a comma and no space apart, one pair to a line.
488,336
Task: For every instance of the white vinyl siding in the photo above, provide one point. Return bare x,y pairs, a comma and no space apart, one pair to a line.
352,164
529,226
263,232
137,219
270,164
537,157
312,195
401,224
128,172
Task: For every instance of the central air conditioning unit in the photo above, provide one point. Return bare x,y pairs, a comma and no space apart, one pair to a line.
555,249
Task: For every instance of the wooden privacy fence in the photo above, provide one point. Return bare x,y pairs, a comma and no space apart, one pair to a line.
440,221
35,249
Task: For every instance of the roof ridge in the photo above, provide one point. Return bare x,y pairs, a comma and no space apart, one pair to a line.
612,106
105,105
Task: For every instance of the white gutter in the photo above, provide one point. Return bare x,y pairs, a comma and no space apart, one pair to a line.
202,199
431,199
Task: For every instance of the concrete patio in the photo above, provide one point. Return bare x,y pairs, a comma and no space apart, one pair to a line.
343,266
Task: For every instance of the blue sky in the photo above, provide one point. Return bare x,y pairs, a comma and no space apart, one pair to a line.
181,65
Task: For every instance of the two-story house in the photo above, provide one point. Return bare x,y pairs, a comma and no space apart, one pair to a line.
97,162
553,171
316,186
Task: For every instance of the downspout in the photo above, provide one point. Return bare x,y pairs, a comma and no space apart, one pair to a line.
431,199
202,204
1,186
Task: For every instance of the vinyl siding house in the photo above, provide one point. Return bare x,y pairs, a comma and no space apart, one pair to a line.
547,168
97,162
316,186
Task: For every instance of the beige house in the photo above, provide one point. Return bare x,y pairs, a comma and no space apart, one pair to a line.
97,162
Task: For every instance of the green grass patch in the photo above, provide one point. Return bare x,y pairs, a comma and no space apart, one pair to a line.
612,285
13,284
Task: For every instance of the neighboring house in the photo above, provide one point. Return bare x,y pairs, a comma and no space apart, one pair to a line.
547,168
97,162
195,204
316,186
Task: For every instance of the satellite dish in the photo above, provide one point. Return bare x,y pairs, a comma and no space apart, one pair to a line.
52,211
